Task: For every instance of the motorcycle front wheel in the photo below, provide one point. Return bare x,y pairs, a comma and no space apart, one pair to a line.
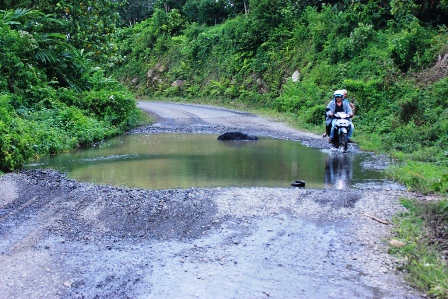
344,141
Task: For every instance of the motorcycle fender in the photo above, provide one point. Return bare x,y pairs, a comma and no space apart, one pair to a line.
343,123
344,130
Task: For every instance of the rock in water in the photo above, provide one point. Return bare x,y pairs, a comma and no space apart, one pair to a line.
232,136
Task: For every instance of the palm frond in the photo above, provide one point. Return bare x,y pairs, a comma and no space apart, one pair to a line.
44,56
15,17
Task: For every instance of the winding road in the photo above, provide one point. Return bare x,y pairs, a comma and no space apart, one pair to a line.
174,114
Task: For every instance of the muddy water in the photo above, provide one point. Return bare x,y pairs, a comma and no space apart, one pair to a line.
173,160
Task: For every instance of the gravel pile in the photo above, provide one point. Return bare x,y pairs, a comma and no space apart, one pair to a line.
65,239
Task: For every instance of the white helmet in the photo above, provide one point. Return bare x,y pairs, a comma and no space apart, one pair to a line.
338,93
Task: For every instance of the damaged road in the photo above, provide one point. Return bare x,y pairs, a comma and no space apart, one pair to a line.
60,238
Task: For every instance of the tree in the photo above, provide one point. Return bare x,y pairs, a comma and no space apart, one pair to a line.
134,11
435,11
28,43
209,12
90,24
168,5
236,7
87,24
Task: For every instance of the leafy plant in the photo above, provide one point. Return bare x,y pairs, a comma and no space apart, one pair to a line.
16,143
52,98
442,186
421,229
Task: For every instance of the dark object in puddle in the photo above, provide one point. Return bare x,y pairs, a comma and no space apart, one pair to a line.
298,183
236,136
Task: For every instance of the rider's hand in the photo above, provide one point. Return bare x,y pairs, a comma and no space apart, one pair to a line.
330,113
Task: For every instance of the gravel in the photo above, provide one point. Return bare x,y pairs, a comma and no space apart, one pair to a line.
61,238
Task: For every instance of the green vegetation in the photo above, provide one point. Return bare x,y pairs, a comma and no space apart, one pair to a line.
423,224
392,56
52,97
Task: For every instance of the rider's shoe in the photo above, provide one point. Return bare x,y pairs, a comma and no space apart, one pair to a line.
330,140
324,135
350,141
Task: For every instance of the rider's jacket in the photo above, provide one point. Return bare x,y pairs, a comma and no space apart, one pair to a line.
331,107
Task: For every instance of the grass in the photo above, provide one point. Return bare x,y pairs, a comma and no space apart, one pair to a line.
145,119
425,177
423,229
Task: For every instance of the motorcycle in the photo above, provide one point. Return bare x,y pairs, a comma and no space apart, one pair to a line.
341,129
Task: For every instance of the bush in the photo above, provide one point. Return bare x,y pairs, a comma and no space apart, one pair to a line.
315,115
16,143
407,47
114,107
361,37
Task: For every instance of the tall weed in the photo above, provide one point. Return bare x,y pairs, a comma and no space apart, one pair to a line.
422,255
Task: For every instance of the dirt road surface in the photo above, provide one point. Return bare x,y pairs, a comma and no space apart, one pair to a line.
60,238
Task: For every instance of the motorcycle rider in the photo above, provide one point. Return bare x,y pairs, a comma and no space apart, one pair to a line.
344,98
338,105
327,119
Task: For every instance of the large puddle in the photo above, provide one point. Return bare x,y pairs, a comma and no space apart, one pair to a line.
173,160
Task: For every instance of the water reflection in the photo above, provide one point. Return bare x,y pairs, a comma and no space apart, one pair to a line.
338,170
173,160
236,144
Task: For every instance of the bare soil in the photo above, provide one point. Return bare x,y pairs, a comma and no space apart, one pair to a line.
60,238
